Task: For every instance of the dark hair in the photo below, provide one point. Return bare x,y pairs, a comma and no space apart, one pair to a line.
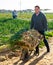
37,6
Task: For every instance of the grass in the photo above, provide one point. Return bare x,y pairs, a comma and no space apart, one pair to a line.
50,25
11,27
49,15
14,27
49,33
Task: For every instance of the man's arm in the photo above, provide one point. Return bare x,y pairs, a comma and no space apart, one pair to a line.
44,23
32,23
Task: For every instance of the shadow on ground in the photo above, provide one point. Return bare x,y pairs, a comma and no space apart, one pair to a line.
33,62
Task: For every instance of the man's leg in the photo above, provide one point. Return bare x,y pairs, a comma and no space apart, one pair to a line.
46,44
45,41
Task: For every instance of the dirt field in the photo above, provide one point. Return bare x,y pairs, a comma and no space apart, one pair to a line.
43,59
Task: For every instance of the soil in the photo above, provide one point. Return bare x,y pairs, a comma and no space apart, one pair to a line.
13,58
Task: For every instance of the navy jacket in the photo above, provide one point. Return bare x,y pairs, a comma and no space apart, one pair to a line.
39,22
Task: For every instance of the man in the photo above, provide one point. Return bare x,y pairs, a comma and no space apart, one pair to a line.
39,23
14,14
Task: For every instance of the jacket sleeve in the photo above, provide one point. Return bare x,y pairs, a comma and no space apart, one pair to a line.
44,23
32,23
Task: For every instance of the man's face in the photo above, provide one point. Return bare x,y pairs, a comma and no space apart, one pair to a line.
37,10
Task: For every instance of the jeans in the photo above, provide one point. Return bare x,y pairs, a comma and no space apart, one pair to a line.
45,42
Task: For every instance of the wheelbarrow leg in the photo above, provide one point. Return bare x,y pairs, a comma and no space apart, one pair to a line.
36,52
25,55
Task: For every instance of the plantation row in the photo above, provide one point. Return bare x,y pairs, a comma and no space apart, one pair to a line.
24,15
12,28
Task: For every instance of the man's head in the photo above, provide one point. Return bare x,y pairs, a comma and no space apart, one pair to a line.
37,9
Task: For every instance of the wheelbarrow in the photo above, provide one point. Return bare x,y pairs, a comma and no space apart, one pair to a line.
30,40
